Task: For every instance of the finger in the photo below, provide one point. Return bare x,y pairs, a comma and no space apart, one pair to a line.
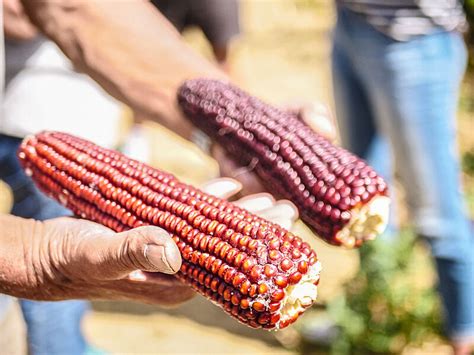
322,125
316,115
283,209
154,277
145,248
256,202
222,187
319,118
152,292
284,223
137,275
250,182
228,167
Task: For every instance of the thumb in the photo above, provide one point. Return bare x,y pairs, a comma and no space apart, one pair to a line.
144,248
318,116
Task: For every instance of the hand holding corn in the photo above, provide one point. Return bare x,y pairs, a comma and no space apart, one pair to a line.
255,270
338,195
68,258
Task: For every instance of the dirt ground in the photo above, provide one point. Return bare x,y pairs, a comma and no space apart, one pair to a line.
283,57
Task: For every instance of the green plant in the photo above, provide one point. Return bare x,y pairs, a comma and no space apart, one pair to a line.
468,162
390,303
469,10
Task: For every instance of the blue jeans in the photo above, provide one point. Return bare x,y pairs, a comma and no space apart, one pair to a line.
53,327
399,99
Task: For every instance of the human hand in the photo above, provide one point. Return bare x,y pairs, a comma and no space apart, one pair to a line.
282,212
67,258
315,115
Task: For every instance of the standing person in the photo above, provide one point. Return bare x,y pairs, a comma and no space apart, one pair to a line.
397,68
219,20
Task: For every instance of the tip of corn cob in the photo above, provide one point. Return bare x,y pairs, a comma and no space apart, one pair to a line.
367,222
300,296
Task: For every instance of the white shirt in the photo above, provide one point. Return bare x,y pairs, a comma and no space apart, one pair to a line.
43,92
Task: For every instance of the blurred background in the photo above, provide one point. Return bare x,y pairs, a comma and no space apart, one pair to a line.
283,56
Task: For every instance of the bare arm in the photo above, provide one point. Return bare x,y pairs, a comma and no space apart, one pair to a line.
129,48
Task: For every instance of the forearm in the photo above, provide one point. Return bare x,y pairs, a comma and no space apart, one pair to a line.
19,248
129,48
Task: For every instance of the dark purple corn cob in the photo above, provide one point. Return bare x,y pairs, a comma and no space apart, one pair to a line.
338,195
258,272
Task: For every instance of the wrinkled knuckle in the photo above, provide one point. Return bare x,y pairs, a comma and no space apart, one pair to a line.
133,250
46,261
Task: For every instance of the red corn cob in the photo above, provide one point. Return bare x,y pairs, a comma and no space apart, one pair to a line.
255,270
338,195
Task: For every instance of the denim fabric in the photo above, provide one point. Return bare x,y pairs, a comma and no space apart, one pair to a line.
402,97
53,327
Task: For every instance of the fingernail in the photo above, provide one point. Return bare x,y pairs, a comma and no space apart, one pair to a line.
223,187
282,209
137,275
157,256
256,202
285,224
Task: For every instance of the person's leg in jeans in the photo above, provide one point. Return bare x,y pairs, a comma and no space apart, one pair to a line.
52,327
356,122
419,103
413,89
